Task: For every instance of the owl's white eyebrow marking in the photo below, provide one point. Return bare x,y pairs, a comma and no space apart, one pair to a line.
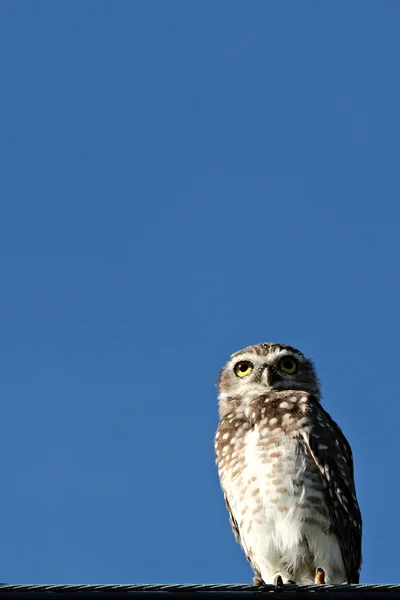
280,353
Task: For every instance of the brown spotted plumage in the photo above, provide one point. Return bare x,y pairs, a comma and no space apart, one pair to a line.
286,470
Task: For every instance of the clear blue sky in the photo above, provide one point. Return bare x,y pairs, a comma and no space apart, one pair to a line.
178,180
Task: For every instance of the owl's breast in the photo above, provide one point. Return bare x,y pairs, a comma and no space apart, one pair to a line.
276,494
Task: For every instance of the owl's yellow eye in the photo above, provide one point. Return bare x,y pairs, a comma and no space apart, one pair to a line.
288,365
243,368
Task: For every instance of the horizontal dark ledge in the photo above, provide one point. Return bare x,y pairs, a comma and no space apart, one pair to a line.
189,591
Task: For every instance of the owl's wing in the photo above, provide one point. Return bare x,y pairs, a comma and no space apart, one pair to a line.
232,521
332,454
238,538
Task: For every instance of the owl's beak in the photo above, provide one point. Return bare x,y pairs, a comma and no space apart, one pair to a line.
266,376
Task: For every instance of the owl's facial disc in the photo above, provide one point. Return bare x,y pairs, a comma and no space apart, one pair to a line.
273,373
279,370
264,369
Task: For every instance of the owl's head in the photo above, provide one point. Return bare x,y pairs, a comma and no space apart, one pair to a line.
264,369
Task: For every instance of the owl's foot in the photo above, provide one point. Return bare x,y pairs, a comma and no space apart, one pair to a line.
320,576
277,581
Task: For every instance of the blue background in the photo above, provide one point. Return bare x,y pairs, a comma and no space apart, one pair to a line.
178,180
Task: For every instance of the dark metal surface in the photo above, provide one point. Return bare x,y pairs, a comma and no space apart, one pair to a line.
195,592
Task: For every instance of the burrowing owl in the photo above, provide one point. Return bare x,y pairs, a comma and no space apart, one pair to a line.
286,470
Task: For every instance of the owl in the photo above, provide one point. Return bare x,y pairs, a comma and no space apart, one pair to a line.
286,470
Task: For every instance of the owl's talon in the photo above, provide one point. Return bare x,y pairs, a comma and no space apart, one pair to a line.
320,576
278,583
257,581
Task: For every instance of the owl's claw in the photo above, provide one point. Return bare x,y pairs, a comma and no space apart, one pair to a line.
257,581
320,576
278,581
